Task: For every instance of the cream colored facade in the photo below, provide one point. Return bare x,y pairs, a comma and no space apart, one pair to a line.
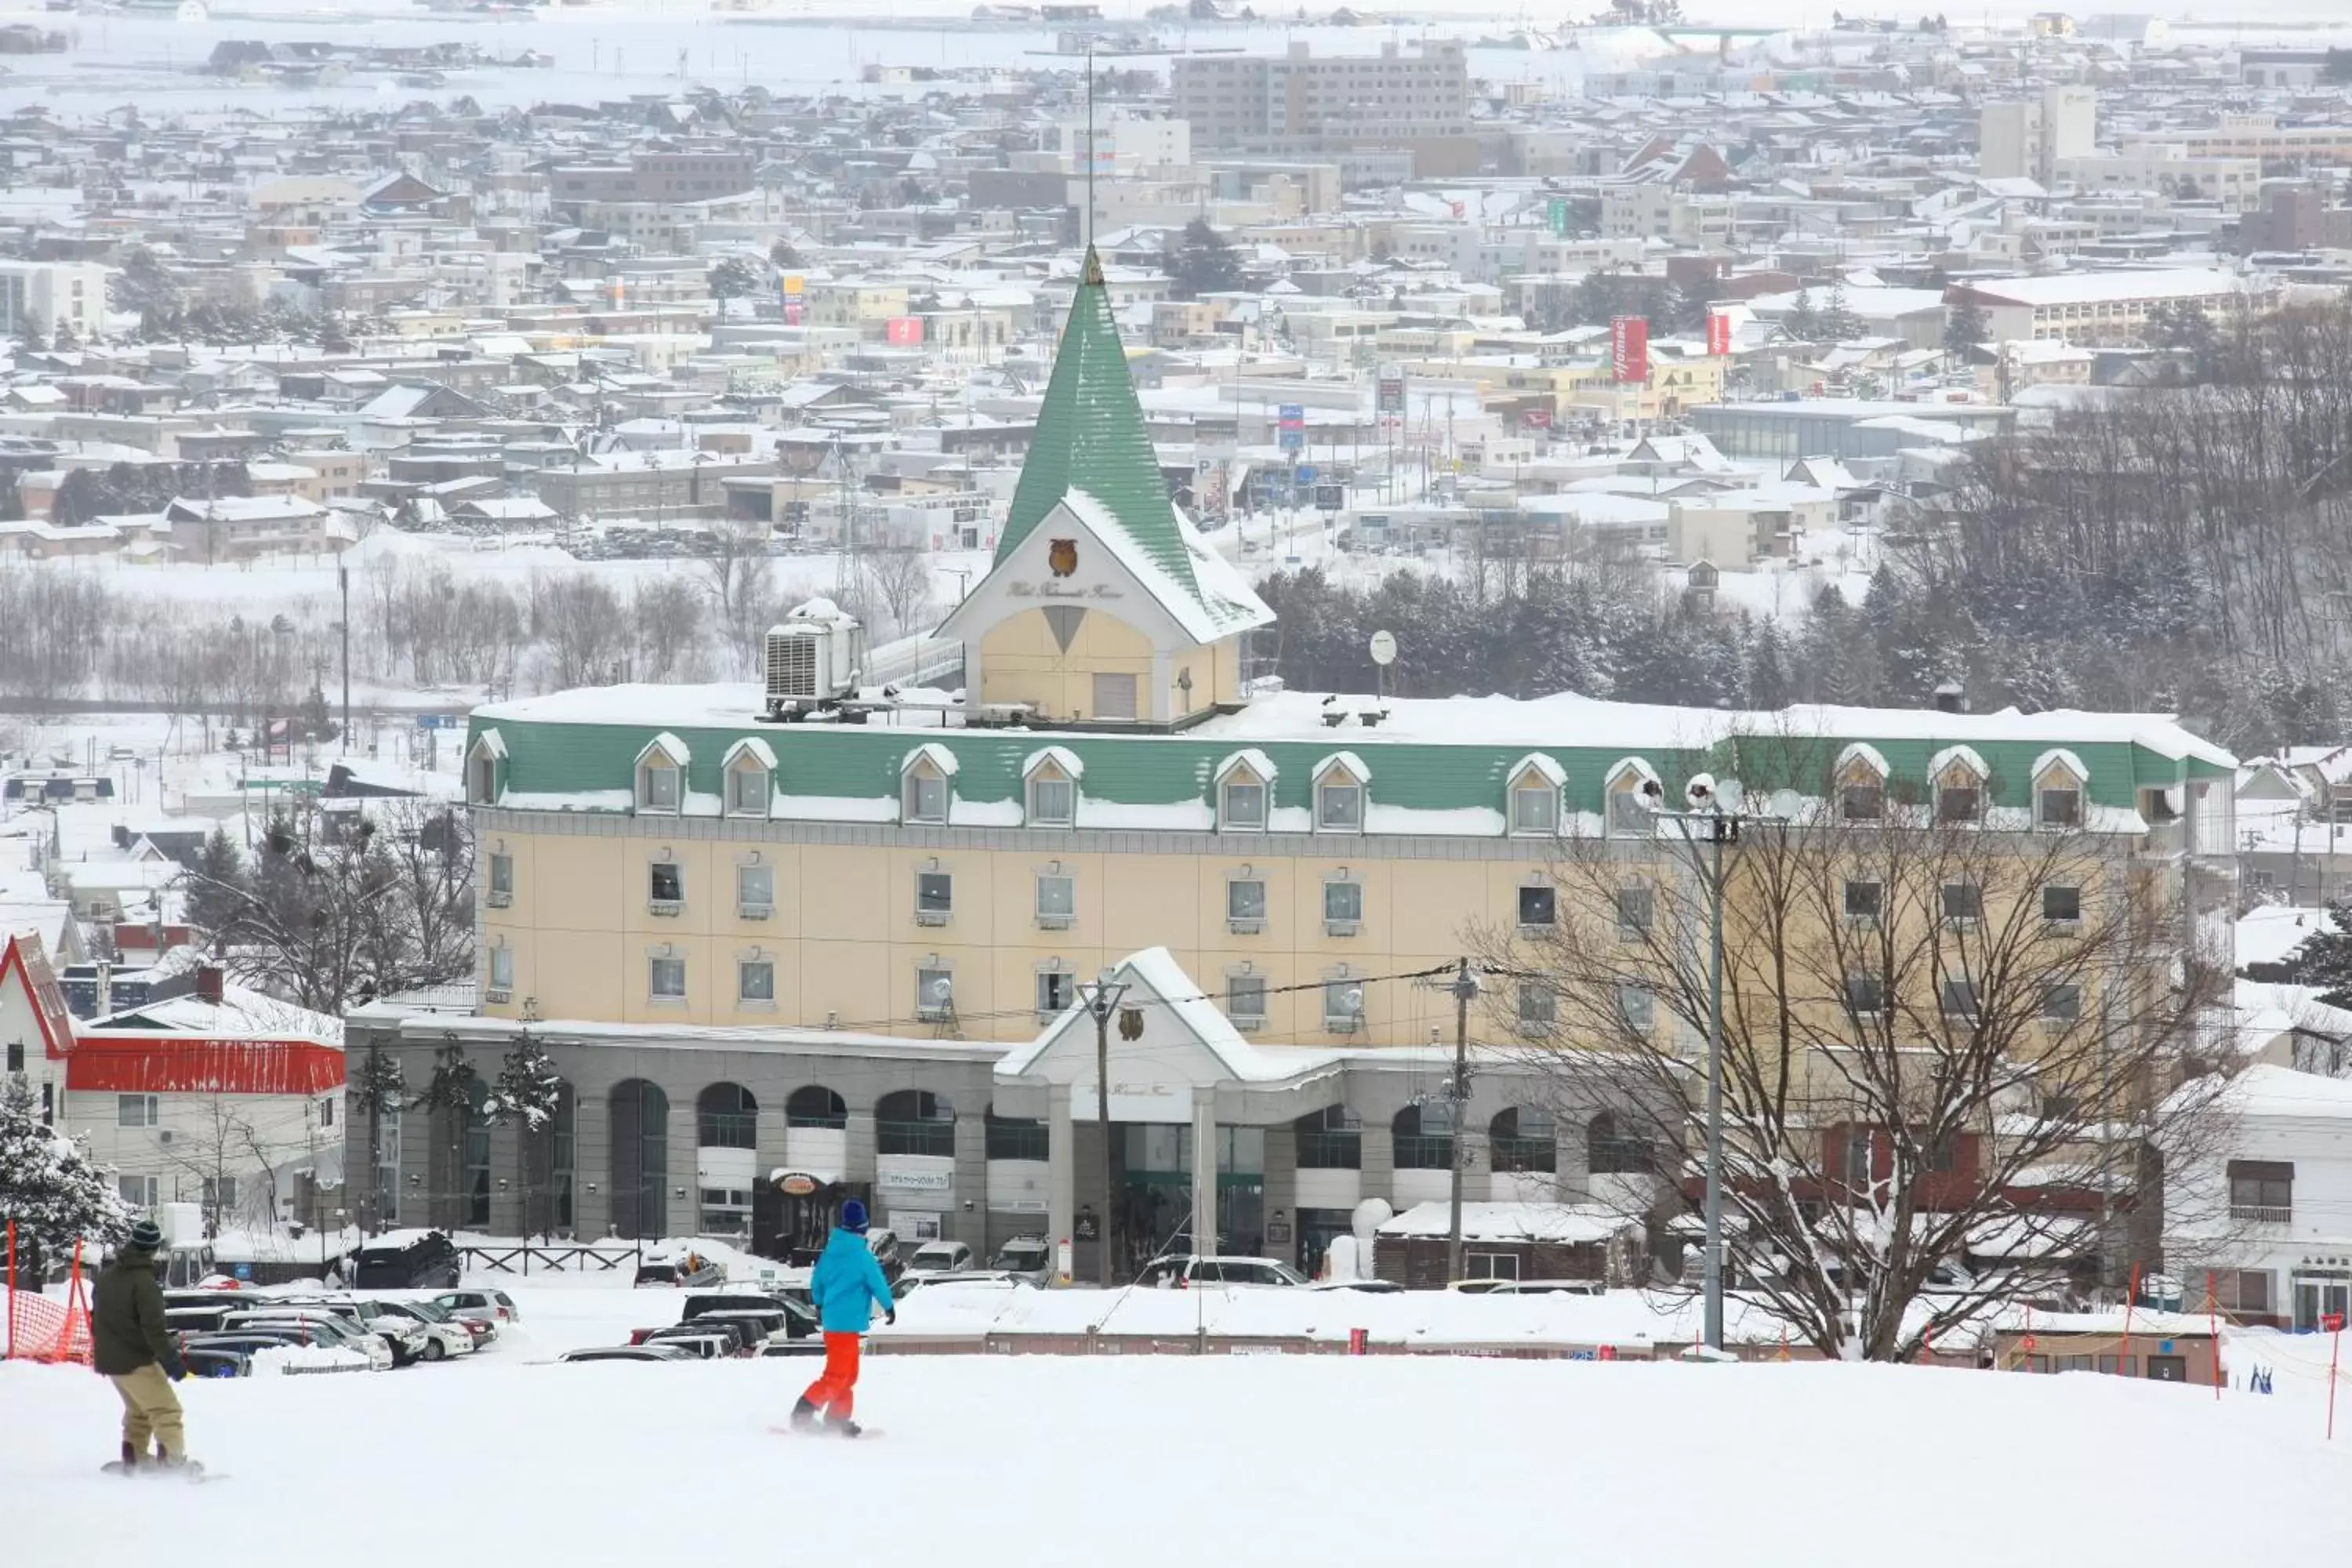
1023,663
849,944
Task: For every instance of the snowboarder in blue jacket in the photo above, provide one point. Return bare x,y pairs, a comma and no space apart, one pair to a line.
846,1286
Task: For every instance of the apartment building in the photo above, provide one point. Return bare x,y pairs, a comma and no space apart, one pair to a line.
2028,137
41,295
1296,102
2108,309
666,176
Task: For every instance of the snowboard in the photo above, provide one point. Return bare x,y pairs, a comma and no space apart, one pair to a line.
192,1473
865,1434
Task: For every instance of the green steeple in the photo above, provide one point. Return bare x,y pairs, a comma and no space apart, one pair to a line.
1090,436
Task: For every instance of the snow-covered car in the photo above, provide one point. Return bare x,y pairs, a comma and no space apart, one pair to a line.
493,1307
320,1327
939,1258
443,1335
706,1344
1030,1257
1363,1286
1178,1273
1549,1287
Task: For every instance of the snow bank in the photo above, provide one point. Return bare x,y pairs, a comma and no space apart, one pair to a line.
303,1359
588,1464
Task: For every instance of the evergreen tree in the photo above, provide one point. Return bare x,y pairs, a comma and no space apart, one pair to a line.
524,1098
48,1186
1768,681
1839,323
1965,326
1802,321
215,887
2324,959
1202,261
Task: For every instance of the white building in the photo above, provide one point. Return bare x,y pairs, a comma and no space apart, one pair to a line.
2269,1211
2095,308
2026,138
38,295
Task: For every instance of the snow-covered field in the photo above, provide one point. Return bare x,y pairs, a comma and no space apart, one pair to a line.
1143,1461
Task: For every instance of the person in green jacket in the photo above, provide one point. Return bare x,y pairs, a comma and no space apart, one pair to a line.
130,1346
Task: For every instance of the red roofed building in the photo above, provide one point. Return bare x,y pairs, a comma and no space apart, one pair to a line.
221,1097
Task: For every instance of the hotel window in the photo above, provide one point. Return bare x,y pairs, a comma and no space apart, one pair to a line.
1053,801
1538,906
2057,807
1863,802
1962,901
2061,906
666,979
501,973
1538,1006
1864,994
1635,908
1338,805
755,981
1343,907
1056,989
934,897
134,1110
755,891
1863,901
2061,1004
934,992
747,790
924,797
658,784
1635,1008
502,880
665,888
1244,905
1343,1006
1245,1000
1960,998
1057,900
1534,804
1244,805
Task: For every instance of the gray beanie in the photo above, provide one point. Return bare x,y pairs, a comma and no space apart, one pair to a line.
146,1236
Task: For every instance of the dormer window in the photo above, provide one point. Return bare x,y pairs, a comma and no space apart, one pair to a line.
1340,783
1052,777
1861,784
1959,776
661,775
482,768
1536,784
1244,786
1634,793
2058,780
751,778
923,786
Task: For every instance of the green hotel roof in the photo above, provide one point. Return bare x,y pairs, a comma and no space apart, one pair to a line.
578,751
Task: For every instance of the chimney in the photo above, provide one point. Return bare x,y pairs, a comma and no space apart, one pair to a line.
208,983
1950,698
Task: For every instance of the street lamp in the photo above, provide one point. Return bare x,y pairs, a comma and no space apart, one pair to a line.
1704,802
1100,1000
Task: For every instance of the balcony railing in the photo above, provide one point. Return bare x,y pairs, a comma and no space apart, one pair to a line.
2263,1214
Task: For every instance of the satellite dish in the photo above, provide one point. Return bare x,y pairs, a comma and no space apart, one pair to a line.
1383,648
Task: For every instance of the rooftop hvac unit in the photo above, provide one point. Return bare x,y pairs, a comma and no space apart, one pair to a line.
812,660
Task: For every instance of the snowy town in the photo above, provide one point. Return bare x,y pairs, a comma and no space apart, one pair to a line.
1021,728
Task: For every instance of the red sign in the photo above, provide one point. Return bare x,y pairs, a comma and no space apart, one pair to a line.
792,312
2026,1345
1629,349
904,330
2331,1323
1719,332
1536,418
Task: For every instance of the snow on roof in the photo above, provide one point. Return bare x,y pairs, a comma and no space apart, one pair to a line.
1509,1222
240,1012
1346,762
2271,933
1638,768
1537,762
753,746
1865,753
932,752
669,745
2059,757
2097,288
1156,971
1249,757
1061,757
1965,756
2267,1089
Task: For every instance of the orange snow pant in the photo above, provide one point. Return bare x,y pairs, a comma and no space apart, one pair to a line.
836,1393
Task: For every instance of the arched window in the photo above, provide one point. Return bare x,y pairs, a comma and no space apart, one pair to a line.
640,1159
813,1105
727,1117
1331,1139
1525,1142
1424,1138
476,1184
1610,1153
1015,1137
914,1121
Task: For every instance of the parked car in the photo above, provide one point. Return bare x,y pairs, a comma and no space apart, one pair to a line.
630,1353
792,1347
884,1245
253,1340
706,1344
216,1361
324,1328
201,1320
773,1320
1549,1287
1030,1257
1363,1286
487,1306
1180,1272
939,1258
444,1336
407,1261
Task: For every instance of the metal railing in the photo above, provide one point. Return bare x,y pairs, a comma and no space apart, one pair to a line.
2263,1214
1525,1156
729,1130
914,1138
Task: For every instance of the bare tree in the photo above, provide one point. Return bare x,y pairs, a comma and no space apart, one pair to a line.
1943,1033
904,587
579,622
741,575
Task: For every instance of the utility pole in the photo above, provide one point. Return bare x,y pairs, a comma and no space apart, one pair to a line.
1101,1000
1714,1328
1464,987
343,583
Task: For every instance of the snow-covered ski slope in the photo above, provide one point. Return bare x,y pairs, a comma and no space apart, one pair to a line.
1145,1461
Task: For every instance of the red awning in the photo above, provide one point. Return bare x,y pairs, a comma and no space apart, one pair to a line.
197,1063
